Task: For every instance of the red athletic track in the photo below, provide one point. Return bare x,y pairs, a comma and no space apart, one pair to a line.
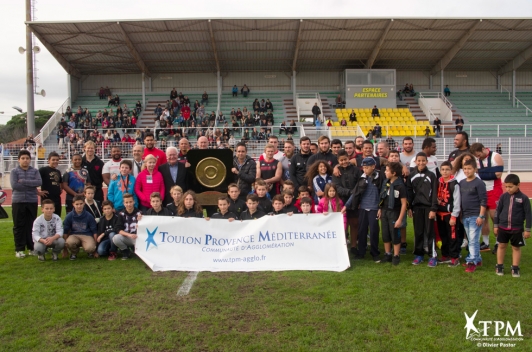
526,188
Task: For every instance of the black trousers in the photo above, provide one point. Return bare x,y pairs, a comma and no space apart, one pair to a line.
423,227
98,195
367,219
450,241
24,214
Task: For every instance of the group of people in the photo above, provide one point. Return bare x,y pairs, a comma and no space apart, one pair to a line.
452,201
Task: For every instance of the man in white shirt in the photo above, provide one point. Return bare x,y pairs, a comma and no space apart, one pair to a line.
112,167
429,147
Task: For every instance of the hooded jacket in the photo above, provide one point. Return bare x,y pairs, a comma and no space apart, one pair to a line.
422,189
80,224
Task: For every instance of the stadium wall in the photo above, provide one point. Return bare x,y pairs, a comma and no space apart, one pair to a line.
280,81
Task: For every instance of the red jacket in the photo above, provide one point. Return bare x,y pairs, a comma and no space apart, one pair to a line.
158,153
143,189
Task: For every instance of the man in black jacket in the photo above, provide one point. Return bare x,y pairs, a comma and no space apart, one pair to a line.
94,166
324,153
298,163
345,183
174,173
316,111
245,170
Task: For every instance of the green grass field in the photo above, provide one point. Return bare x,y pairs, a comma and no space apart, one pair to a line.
97,305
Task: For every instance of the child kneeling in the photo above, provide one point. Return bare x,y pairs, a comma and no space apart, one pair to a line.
43,228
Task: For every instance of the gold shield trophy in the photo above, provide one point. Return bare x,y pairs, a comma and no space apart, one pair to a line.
211,169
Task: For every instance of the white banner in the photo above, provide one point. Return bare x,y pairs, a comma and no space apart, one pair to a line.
282,242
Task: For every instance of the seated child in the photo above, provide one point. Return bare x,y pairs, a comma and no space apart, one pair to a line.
80,229
264,202
304,193
47,231
176,192
236,204
107,228
277,205
288,197
127,226
189,206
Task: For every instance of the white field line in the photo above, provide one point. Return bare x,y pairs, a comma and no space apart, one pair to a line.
187,284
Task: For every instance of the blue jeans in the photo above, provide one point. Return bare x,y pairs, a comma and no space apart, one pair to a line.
473,236
107,246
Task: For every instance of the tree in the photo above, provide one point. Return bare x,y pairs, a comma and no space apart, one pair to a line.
16,127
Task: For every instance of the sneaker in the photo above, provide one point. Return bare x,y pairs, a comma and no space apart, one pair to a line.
444,260
396,259
387,258
90,255
41,257
495,248
20,254
417,260
32,253
402,251
125,254
433,262
54,256
499,269
112,256
454,262
465,243
73,257
484,247
515,271
376,259
353,250
470,268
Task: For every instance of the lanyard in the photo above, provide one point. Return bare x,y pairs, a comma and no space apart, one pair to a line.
126,185
92,211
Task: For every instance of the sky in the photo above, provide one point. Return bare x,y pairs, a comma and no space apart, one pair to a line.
52,77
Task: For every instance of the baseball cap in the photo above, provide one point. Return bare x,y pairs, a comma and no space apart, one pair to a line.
368,162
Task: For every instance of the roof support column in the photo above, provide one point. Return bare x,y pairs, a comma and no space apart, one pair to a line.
498,82
513,88
149,85
294,88
430,82
441,82
143,90
218,91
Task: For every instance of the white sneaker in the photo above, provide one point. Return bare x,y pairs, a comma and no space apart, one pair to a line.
465,243
20,254
32,253
41,257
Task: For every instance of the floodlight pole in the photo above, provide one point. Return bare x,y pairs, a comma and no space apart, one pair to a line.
30,108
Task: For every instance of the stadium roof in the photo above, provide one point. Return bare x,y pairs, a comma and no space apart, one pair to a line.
308,44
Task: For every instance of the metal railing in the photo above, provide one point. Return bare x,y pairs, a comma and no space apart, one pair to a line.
509,93
52,122
436,95
527,109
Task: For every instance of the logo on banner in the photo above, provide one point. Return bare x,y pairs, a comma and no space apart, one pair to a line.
492,333
151,237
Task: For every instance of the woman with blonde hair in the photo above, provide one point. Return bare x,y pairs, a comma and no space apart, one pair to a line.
149,180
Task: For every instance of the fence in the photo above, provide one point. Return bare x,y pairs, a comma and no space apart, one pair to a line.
52,122
516,152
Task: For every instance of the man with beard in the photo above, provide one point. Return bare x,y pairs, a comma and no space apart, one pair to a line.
94,166
324,153
336,146
408,151
138,150
298,163
184,147
112,167
358,145
289,149
349,148
270,170
461,143
149,142
245,170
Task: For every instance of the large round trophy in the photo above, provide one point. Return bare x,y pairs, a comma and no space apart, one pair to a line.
211,171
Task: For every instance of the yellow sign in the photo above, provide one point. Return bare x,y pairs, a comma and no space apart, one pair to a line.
371,93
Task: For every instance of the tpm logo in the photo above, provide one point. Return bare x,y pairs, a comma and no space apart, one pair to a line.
492,332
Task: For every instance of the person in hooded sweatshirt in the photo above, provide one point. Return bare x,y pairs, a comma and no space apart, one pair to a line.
80,229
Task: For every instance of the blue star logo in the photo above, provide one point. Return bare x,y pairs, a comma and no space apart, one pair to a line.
151,239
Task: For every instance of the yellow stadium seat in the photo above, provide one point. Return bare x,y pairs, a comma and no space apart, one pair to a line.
344,110
338,111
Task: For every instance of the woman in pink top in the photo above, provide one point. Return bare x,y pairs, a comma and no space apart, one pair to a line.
148,181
